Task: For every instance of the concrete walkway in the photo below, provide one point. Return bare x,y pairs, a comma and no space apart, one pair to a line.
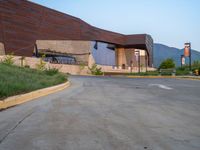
101,113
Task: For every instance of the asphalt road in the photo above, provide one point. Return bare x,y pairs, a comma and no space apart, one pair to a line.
108,114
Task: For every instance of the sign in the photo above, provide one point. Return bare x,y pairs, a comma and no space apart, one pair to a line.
183,60
187,50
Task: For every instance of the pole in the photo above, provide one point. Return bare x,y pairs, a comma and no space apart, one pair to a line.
139,62
190,58
146,60
182,61
131,66
36,50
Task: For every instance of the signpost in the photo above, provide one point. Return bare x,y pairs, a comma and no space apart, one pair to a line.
187,53
182,60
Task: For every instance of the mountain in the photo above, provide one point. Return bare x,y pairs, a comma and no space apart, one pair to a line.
162,52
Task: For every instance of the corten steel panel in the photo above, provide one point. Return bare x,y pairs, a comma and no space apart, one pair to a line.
23,22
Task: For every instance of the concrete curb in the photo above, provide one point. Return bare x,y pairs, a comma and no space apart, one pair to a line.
189,78
19,99
166,77
152,77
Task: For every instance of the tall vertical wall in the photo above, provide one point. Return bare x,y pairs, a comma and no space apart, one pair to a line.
103,55
124,56
2,49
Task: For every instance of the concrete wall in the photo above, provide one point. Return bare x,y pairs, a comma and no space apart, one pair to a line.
125,56
65,46
2,49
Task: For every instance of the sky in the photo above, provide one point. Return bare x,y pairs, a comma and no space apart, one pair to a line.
169,22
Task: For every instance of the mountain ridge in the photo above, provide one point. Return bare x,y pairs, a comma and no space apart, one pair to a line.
162,52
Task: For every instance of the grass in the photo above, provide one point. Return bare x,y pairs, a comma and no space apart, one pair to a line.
148,73
18,80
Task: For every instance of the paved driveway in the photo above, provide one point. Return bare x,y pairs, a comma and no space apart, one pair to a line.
108,114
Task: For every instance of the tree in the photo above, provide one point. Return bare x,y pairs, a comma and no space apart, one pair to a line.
167,63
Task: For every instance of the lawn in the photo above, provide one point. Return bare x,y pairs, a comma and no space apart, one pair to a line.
17,80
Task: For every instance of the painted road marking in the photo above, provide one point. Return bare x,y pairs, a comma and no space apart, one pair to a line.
161,86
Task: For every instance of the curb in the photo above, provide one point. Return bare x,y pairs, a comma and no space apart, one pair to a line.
165,77
189,78
152,77
20,99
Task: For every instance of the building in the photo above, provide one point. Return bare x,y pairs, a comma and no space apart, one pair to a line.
28,29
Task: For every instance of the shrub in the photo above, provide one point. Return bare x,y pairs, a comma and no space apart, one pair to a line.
41,65
166,64
95,70
8,60
27,66
51,71
195,65
81,66
182,71
148,73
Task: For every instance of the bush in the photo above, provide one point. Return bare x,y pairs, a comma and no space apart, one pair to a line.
51,71
196,64
166,64
8,60
182,71
26,66
95,70
148,73
41,65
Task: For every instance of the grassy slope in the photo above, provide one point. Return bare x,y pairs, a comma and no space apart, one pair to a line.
16,80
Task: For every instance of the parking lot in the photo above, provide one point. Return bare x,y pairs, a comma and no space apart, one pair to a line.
104,113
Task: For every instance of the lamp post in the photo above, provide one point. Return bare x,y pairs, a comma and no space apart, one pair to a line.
146,61
131,66
139,61
190,58
137,54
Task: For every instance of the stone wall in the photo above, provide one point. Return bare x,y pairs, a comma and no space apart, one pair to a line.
65,46
32,62
72,69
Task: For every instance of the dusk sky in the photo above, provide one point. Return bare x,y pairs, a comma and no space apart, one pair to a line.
169,22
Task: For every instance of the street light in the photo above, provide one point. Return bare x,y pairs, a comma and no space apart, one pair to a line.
137,54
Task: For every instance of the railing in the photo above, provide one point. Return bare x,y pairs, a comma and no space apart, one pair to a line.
68,62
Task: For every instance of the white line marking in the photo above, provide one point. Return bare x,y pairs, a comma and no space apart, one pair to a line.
161,86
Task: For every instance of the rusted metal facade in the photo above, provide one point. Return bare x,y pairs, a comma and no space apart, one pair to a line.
23,22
